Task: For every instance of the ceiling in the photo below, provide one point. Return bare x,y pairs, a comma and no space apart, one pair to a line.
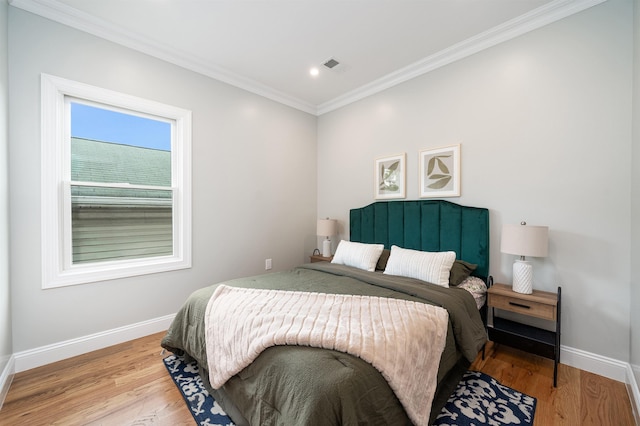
269,46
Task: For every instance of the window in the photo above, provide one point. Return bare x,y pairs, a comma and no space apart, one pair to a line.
116,188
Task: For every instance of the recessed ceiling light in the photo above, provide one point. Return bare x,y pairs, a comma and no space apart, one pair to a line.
314,71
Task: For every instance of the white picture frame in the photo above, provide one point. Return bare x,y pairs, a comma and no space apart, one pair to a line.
440,172
390,177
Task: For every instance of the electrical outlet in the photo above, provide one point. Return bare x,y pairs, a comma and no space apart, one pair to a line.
267,264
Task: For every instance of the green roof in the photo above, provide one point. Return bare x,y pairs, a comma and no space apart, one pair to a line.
105,162
95,161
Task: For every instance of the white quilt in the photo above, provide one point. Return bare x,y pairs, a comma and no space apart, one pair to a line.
402,339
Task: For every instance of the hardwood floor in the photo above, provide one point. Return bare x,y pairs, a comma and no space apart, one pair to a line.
581,398
127,384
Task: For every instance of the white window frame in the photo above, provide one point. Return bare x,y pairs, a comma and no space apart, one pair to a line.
57,270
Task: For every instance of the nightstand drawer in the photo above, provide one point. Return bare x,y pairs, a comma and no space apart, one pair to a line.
521,306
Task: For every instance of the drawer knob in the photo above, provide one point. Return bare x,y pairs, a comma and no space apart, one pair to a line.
519,305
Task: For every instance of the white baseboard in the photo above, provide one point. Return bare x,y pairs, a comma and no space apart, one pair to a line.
593,363
6,377
43,355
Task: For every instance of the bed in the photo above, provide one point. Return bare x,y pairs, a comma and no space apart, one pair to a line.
302,384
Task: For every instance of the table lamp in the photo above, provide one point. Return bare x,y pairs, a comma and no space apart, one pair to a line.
326,228
524,240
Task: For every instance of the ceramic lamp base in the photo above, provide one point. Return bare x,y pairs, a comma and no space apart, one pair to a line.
522,277
326,248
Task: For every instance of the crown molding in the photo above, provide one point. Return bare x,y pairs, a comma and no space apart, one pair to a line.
61,13
549,13
535,19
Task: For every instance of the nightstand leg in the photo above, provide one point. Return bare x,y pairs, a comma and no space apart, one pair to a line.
557,349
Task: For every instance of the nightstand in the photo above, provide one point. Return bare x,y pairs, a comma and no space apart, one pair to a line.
319,258
540,304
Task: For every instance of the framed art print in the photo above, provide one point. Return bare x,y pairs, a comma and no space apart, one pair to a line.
390,177
440,172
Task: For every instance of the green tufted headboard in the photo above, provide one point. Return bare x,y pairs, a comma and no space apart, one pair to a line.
428,225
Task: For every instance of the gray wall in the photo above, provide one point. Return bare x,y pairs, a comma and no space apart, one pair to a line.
635,203
254,179
5,294
545,126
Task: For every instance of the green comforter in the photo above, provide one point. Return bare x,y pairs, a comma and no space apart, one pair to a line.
290,385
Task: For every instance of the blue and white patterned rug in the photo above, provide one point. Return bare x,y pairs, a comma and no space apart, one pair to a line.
479,399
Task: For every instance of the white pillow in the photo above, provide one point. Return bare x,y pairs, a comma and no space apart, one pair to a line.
433,267
358,255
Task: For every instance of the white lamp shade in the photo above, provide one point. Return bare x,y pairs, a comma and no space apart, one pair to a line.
525,240
326,227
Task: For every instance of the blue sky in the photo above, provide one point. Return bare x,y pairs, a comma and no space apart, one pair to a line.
99,124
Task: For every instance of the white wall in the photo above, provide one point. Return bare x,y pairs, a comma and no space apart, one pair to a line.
544,122
254,179
6,347
635,202
545,126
